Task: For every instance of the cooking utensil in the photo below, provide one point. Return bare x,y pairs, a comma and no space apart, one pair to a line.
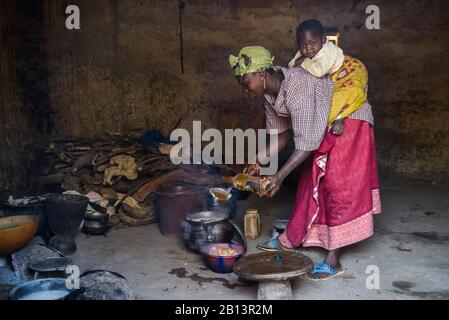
65,213
205,227
175,202
42,289
32,209
222,264
50,264
102,271
16,232
96,227
50,267
221,194
215,204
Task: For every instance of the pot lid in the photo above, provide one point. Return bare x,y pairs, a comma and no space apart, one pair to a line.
50,264
205,217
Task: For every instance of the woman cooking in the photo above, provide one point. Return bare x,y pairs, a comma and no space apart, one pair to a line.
338,188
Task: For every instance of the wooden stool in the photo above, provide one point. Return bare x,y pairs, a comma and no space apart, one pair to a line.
273,271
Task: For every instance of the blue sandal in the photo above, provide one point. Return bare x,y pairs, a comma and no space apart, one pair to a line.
274,245
322,268
270,245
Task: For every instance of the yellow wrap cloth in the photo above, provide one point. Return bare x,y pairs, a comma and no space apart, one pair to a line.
350,90
349,75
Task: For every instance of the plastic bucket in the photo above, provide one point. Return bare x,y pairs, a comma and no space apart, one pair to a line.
175,202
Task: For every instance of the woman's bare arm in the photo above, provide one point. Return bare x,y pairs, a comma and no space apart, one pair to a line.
275,181
273,149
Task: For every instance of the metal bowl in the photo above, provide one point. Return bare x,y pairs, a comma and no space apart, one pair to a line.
43,289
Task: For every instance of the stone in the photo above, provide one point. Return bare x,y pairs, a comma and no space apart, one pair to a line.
34,251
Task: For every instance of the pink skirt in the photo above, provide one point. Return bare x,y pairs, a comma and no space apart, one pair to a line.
338,191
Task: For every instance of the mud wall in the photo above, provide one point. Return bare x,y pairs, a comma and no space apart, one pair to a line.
122,70
25,113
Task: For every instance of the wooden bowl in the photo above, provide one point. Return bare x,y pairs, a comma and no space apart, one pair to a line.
16,232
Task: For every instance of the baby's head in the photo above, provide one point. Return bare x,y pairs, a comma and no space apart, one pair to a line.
311,37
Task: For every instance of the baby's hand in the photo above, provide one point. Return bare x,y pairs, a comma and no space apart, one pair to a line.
299,61
338,127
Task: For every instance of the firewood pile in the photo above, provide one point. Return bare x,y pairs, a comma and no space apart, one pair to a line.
121,170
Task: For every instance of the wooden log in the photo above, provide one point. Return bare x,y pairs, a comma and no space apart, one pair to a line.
82,162
64,158
79,148
136,211
56,178
136,222
61,166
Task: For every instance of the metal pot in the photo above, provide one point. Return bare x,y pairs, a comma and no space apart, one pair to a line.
96,227
206,227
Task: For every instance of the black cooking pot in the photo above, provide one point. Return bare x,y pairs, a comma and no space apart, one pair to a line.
96,227
96,223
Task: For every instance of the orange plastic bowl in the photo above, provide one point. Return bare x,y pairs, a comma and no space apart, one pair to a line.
16,232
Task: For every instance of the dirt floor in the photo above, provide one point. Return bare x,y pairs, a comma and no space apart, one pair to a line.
410,248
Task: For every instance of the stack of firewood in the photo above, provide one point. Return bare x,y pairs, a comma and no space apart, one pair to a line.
95,164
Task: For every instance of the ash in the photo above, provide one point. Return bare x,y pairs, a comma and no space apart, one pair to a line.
105,286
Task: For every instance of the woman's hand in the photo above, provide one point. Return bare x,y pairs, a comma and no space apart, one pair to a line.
271,185
252,169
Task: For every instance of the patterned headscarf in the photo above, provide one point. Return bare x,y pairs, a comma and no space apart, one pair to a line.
251,59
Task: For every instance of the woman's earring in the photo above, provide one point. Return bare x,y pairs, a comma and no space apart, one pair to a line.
264,84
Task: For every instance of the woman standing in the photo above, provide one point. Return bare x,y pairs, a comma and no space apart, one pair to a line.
338,187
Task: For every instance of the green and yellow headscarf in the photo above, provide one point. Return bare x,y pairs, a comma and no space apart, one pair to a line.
251,59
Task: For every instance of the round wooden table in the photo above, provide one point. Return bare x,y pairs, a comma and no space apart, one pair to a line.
273,271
